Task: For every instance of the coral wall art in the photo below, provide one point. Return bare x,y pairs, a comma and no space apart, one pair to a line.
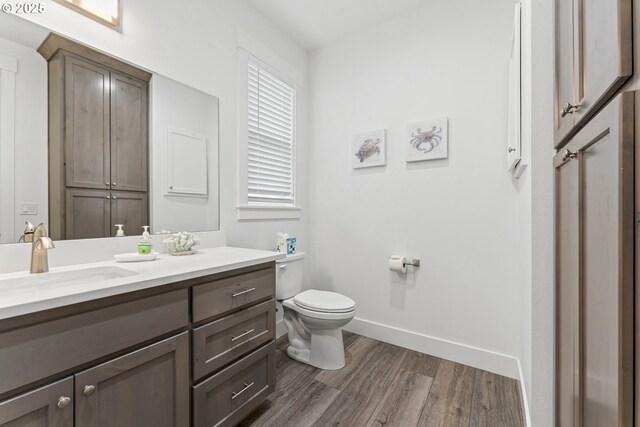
427,140
368,149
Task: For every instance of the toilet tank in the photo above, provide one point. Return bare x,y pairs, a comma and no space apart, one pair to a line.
289,274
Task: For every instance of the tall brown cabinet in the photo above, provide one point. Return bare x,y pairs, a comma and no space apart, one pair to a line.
595,197
98,142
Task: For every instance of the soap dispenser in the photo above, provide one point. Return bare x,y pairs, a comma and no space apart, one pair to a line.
144,245
120,232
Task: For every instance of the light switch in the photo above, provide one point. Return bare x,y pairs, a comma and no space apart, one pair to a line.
29,208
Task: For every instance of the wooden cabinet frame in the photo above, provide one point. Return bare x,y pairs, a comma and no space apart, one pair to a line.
125,166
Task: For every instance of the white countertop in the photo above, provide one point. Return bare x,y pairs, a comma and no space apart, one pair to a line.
18,298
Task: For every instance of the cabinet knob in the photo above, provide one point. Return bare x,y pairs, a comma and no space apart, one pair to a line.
511,149
114,184
63,402
107,183
88,390
106,197
568,109
568,155
114,197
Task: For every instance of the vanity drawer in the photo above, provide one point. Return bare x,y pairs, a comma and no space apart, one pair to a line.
35,352
226,295
227,339
230,395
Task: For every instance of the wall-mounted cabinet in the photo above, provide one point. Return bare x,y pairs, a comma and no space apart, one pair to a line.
186,162
593,59
98,139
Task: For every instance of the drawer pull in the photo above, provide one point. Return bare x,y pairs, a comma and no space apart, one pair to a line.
246,291
242,335
246,387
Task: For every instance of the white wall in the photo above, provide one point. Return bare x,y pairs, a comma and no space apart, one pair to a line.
542,208
178,106
535,207
459,216
31,167
197,44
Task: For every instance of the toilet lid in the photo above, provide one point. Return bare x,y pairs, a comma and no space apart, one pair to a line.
324,301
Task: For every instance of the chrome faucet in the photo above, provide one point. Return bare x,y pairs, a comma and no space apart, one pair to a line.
39,256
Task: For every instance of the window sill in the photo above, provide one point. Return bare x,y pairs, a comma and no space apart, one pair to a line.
256,213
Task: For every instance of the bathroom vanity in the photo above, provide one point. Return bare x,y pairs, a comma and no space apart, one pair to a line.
173,342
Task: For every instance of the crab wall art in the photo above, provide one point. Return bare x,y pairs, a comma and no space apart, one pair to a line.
427,140
368,149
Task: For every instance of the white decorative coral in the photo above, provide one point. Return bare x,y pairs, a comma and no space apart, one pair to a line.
181,242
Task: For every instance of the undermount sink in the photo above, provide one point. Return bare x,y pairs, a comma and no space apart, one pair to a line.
85,275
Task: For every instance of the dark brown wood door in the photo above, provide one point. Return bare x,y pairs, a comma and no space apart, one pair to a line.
129,142
146,388
87,214
131,210
87,137
49,406
602,154
564,77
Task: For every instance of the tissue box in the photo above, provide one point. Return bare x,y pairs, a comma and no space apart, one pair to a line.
291,245
281,242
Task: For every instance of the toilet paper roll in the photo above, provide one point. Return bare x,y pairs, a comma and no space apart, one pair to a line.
398,264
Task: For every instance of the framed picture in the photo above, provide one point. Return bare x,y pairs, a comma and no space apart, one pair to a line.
368,149
427,140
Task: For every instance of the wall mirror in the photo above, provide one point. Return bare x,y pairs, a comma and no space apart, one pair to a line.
89,141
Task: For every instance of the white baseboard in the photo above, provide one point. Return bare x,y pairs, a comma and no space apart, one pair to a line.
523,396
497,363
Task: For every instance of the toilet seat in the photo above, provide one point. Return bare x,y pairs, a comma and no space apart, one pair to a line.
315,314
324,301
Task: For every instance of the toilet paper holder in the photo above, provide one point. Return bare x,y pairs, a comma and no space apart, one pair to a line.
408,261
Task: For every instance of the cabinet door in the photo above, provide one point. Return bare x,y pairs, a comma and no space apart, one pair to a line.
600,57
49,406
604,53
86,124
564,77
146,388
603,152
129,145
87,214
130,209
567,294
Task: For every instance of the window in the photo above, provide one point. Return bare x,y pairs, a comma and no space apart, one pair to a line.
104,11
271,139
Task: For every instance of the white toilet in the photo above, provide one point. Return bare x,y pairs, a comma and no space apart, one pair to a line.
313,318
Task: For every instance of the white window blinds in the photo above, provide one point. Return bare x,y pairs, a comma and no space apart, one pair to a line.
271,139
